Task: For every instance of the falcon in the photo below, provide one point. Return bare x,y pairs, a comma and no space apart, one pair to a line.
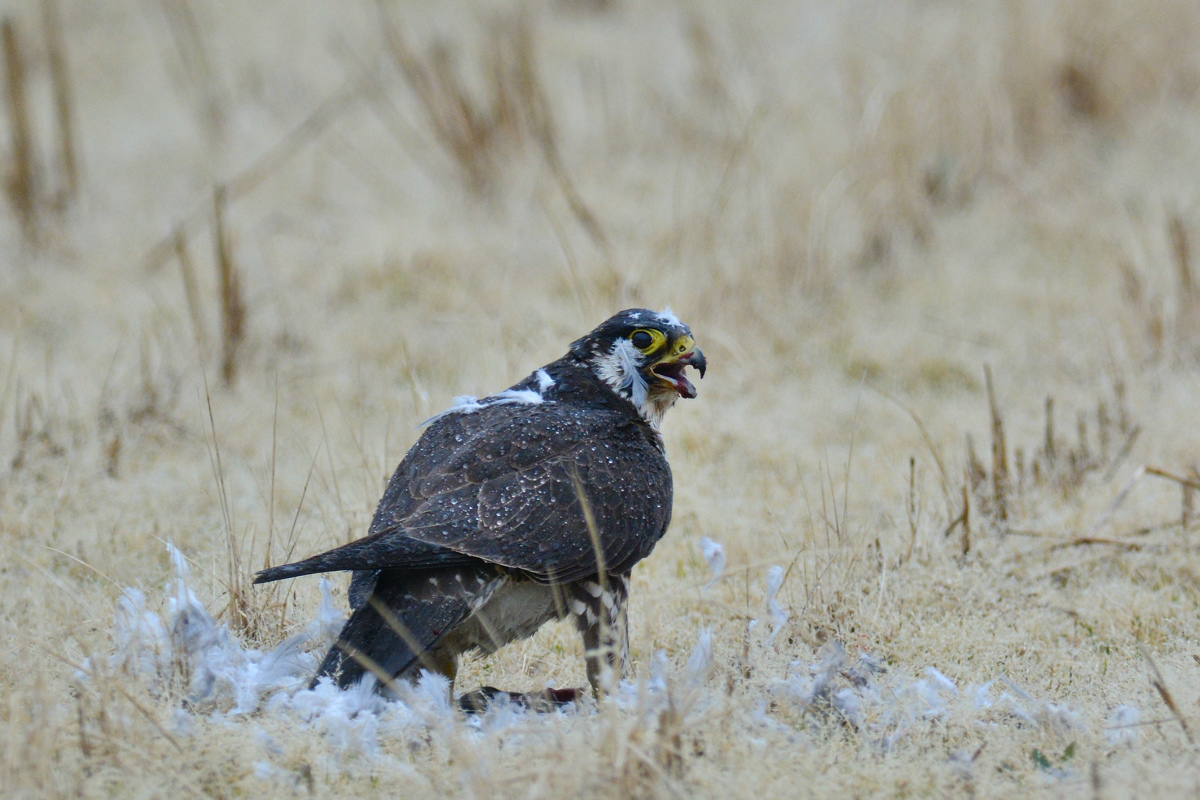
512,510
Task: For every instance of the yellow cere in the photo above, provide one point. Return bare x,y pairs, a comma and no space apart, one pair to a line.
683,344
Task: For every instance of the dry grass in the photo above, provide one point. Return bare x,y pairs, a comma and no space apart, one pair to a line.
854,212
20,183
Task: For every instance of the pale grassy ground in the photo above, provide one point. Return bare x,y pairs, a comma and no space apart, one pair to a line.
846,201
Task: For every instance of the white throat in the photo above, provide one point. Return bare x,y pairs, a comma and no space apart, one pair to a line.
618,368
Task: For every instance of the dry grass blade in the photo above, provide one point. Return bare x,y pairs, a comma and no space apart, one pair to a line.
197,64
64,114
1117,501
1160,685
589,518
236,585
910,508
468,130
121,690
21,182
934,450
1191,483
999,451
1185,508
191,292
1086,540
267,164
233,309
541,120
1049,450
1131,438
307,131
966,519
1181,254
480,134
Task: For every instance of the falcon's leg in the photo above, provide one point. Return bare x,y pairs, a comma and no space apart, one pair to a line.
601,616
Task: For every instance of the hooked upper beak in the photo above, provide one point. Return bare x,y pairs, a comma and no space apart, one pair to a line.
695,359
672,370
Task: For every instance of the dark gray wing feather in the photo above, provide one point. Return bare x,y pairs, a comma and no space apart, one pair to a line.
509,492
503,485
362,583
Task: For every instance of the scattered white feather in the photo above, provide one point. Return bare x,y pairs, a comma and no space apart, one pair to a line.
326,626
776,612
887,705
221,669
267,743
544,380
700,664
849,704
227,681
944,683
265,770
141,645
765,720
347,718
981,696
659,681
464,404
935,703
714,555
1017,690
1058,716
429,697
182,722
1121,727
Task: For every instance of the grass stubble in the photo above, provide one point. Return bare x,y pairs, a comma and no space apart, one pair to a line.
893,234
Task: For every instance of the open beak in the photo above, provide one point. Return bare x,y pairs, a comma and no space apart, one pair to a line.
673,371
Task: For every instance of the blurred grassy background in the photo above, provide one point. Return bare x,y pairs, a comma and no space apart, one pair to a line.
248,247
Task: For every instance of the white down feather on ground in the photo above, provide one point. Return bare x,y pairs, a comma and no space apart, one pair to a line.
880,703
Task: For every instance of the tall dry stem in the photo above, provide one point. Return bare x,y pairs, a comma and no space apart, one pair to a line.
191,292
999,452
64,114
233,309
21,182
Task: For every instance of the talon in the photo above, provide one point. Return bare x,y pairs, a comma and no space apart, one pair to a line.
482,699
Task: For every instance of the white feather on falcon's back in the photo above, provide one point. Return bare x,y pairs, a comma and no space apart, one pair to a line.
526,396
544,380
468,404
463,404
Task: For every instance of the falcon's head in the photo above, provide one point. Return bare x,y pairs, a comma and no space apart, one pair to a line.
642,355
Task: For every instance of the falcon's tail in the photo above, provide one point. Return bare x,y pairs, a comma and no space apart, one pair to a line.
396,632
388,550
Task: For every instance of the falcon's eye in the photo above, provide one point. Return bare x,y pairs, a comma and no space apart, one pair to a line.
642,340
